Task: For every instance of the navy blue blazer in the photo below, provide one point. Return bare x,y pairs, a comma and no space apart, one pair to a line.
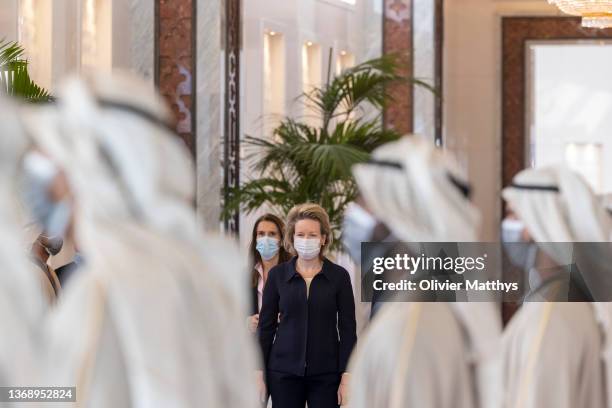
315,335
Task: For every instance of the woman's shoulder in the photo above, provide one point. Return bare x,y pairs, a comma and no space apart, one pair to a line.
281,268
335,269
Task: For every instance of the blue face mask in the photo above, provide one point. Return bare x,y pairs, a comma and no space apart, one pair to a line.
53,217
357,227
78,259
267,247
521,253
58,219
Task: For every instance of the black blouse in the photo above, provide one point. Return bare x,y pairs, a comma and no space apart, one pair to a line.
315,335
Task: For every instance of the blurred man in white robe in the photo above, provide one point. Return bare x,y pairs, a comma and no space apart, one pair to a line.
23,304
146,322
423,354
552,351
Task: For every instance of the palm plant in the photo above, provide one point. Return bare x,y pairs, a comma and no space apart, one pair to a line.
14,78
305,163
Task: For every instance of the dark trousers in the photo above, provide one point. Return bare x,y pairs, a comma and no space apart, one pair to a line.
291,391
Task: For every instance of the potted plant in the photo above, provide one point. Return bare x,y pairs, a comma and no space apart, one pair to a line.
304,163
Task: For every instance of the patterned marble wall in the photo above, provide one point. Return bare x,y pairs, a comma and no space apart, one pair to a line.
397,39
209,111
175,73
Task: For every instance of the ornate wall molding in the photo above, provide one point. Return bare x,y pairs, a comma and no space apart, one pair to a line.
231,139
175,54
397,39
439,61
516,31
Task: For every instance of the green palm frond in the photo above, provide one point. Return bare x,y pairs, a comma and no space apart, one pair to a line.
14,78
9,52
301,163
366,82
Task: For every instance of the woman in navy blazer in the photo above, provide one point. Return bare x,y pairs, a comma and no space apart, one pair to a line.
307,321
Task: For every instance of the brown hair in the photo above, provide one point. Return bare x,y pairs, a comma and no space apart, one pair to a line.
254,256
308,211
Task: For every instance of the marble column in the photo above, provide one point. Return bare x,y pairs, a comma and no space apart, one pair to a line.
138,54
190,74
209,112
424,68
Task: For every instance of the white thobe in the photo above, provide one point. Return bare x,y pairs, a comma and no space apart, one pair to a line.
145,325
552,357
412,355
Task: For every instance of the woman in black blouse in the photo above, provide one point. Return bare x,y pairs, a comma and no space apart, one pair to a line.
307,348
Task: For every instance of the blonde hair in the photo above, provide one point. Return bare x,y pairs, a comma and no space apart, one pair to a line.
308,211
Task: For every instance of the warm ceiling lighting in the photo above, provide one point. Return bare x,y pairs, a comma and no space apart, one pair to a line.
594,13
272,33
309,43
343,53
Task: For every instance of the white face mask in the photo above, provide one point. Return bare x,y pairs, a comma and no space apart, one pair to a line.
307,248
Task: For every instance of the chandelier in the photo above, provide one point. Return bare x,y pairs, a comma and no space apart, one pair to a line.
594,13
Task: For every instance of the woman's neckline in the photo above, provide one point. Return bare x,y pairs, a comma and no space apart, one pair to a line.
320,269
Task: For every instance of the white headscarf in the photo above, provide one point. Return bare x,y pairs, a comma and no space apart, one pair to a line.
147,306
557,205
419,193
571,214
420,201
161,181
22,304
